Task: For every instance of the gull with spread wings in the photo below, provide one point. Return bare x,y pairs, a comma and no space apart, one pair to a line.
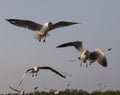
35,70
42,30
87,56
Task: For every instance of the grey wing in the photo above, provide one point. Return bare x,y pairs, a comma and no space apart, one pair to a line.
14,89
25,23
21,80
62,24
53,70
76,44
31,69
101,59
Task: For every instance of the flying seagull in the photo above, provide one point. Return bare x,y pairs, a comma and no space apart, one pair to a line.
21,92
87,56
35,70
42,30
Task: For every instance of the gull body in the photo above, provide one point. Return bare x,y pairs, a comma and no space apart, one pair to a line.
42,30
87,56
36,69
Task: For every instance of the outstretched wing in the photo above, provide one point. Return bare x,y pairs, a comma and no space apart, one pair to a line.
53,70
62,24
76,44
22,78
101,59
25,23
14,89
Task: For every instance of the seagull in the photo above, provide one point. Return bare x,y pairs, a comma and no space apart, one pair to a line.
21,92
35,70
87,56
42,30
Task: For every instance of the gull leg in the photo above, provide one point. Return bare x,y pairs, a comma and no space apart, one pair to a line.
87,64
40,40
81,64
33,75
91,62
44,39
80,61
36,74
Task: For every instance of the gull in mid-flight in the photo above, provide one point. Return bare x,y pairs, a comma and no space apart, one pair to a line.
35,71
87,56
20,92
42,29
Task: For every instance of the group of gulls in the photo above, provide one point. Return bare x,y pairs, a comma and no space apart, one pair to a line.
86,56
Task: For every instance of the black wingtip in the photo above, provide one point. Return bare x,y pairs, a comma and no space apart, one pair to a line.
64,76
78,23
59,46
75,23
63,45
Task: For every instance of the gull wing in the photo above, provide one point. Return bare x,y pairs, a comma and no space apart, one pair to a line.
77,44
14,89
22,78
101,59
62,24
53,70
25,23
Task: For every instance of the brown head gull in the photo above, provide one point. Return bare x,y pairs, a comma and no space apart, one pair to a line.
35,70
42,29
87,56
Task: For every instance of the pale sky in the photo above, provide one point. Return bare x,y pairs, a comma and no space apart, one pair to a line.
19,51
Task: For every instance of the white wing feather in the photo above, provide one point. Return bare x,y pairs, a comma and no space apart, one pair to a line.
21,80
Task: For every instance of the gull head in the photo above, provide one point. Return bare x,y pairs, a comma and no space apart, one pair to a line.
48,24
36,68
